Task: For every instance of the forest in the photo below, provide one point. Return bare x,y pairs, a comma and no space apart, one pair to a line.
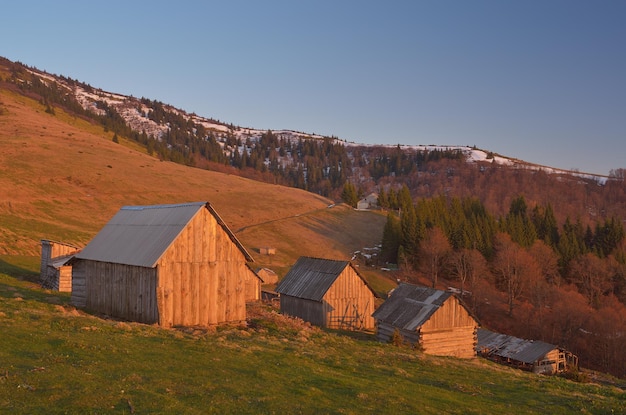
522,272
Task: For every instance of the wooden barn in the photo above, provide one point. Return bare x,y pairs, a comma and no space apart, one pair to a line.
532,355
434,320
55,273
327,293
173,265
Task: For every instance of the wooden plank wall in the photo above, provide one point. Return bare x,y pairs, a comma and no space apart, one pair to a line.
63,282
308,310
80,270
122,291
202,277
349,303
49,276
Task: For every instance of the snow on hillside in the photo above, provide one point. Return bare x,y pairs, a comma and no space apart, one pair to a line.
136,115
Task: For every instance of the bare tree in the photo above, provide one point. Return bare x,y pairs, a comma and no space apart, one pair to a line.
467,266
434,250
514,268
591,275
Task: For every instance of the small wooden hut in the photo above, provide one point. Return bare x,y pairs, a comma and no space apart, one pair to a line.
327,293
267,275
532,355
55,273
175,265
434,320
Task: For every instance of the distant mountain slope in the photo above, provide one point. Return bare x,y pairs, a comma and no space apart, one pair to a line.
62,178
136,113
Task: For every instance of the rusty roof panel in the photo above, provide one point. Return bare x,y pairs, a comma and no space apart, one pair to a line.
510,347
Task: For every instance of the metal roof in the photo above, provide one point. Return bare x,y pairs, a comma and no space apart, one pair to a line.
139,235
410,306
310,278
521,350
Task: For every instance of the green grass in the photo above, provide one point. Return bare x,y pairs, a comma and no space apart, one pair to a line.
54,359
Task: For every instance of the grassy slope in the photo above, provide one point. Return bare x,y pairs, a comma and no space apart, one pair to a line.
55,359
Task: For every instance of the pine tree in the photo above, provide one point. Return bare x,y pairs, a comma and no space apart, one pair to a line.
392,234
349,195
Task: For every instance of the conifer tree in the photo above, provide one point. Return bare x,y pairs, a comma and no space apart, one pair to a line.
349,195
392,234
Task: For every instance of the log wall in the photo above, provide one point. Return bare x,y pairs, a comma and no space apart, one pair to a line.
450,331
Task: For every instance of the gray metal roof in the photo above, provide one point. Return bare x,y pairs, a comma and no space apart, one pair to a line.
139,235
310,278
502,345
410,306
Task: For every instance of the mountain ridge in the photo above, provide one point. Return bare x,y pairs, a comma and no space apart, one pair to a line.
127,105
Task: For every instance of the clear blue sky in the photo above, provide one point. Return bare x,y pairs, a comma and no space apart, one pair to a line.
543,81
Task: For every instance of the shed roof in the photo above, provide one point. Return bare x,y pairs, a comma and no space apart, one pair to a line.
310,278
410,306
521,350
140,235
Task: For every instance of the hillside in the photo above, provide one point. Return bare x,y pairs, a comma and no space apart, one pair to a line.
56,359
62,178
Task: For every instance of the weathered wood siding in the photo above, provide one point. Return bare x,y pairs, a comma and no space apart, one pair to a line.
349,303
63,281
117,290
51,277
450,331
385,331
253,286
202,277
308,310
552,362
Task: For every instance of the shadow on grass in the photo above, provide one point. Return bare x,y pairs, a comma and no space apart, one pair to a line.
355,335
18,280
19,267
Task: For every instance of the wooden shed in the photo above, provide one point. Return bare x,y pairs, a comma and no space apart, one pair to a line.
434,320
267,275
174,265
55,273
327,293
532,355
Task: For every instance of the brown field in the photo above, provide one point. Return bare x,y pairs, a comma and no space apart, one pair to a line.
62,178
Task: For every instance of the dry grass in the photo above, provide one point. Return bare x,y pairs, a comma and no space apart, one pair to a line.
62,178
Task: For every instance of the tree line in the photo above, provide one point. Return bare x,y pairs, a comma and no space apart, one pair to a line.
526,259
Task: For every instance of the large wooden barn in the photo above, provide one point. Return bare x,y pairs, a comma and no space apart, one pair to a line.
174,265
532,355
434,320
55,273
327,293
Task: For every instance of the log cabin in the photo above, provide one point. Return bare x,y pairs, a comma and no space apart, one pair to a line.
171,265
432,320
